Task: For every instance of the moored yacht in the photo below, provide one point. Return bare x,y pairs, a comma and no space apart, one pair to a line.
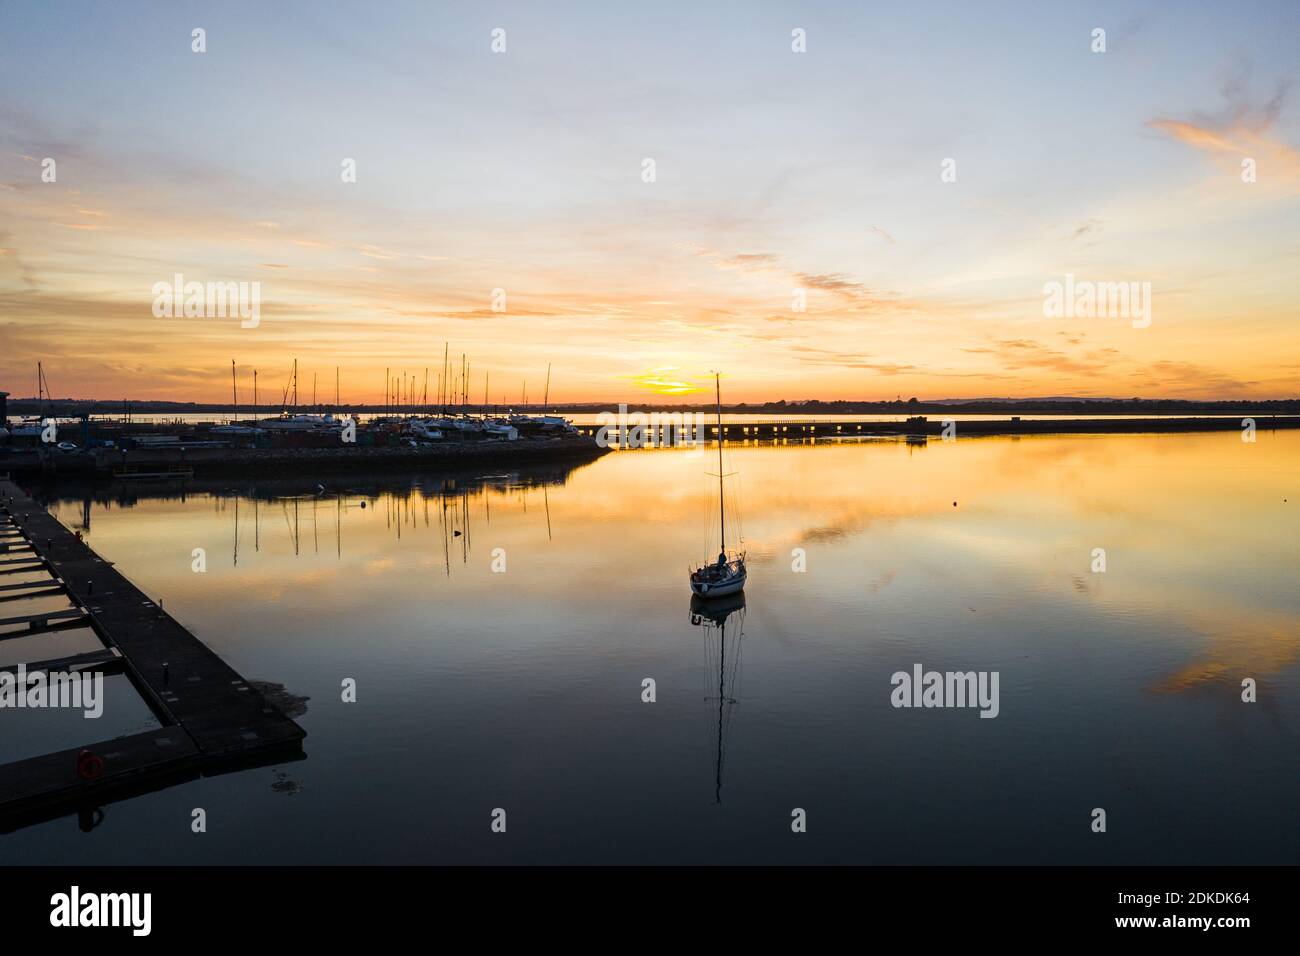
300,422
727,574
500,431
429,429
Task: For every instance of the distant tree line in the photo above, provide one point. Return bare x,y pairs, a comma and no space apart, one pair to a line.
71,408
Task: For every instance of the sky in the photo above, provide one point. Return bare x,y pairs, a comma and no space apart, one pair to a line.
777,176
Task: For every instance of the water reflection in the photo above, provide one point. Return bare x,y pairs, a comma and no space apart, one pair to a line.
722,656
519,688
450,505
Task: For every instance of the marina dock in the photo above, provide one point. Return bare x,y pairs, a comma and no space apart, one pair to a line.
211,718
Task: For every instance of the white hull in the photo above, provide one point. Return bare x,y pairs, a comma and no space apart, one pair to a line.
732,585
301,423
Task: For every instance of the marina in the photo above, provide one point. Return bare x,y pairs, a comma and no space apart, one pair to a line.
210,717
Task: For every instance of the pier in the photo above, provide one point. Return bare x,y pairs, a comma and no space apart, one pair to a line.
211,719
670,429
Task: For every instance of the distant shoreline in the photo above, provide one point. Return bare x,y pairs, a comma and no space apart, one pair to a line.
1101,408
924,428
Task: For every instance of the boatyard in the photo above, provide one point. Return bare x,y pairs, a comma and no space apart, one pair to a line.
117,449
414,431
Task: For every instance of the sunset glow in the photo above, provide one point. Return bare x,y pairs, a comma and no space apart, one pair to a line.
524,173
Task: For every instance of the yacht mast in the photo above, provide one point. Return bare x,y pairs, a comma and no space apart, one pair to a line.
722,512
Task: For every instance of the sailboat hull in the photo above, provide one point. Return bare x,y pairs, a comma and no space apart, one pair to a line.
716,589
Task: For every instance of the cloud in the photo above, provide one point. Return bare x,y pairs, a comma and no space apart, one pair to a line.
856,295
830,283
1239,131
1189,377
1023,354
1090,226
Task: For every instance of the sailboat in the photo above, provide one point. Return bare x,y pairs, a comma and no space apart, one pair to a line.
726,575
235,429
297,421
34,427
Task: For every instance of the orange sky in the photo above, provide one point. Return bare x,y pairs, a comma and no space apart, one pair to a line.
522,173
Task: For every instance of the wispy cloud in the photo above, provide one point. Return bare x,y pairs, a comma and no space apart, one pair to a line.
1241,130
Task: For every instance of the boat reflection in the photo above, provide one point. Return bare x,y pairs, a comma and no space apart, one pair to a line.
723,623
451,504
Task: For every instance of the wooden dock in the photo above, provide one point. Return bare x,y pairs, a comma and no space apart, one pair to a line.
211,717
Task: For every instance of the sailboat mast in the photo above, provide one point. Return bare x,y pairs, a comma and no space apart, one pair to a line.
722,512
446,378
234,392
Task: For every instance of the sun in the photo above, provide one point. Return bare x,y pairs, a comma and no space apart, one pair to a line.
662,381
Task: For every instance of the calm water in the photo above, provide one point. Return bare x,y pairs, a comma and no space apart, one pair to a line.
522,689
